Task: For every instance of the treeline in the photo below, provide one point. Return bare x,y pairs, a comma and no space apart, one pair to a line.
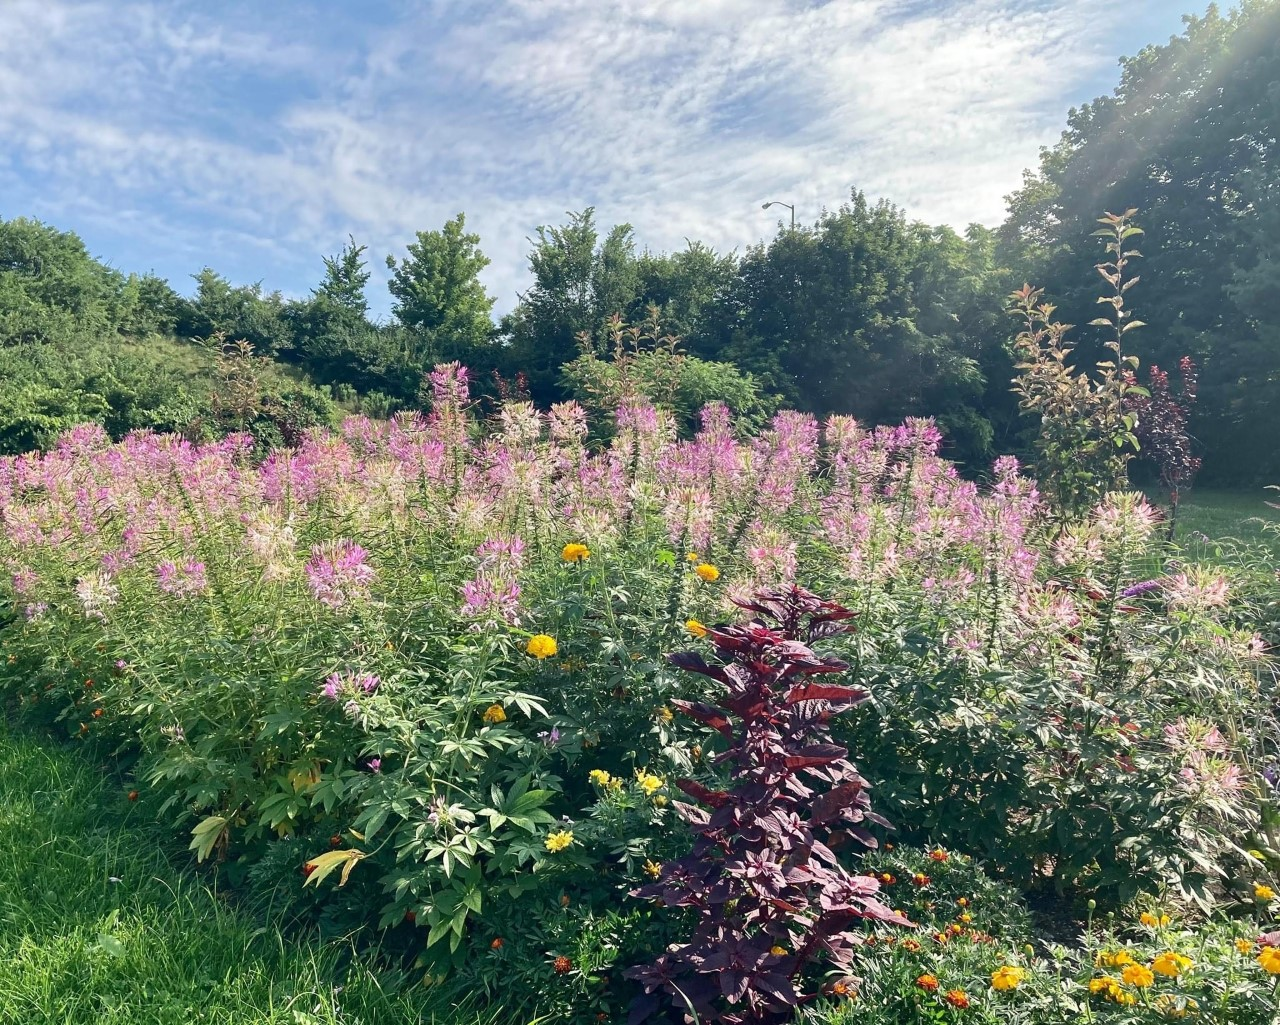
864,311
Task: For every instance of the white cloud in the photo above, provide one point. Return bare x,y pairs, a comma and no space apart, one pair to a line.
681,116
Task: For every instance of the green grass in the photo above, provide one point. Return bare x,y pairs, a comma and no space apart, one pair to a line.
1231,514
98,927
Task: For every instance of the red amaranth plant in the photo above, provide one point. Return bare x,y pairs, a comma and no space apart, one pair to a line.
772,902
1162,431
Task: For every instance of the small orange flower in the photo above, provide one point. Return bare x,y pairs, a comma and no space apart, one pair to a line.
920,879
963,902
966,918
88,685
562,965
911,945
957,998
928,982
410,917
497,943
133,795
938,855
887,879
97,713
335,840
954,929
307,869
707,572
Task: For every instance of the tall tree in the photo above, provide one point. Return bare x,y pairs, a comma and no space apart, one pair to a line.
438,294
1182,139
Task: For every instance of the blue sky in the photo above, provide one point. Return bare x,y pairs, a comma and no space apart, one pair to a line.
254,135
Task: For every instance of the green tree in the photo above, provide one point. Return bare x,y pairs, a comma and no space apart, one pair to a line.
579,283
438,295
1184,139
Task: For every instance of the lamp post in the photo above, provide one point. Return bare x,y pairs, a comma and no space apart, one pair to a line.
774,202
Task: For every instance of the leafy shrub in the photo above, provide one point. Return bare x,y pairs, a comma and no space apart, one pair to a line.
1086,432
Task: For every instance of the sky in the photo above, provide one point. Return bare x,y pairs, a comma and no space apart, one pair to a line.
254,136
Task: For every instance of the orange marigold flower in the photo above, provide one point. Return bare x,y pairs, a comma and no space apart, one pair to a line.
938,855
1244,946
911,945
707,572
1269,959
695,628
495,714
575,552
1138,976
1262,892
957,998
920,879
133,795
497,943
927,982
97,713
562,965
963,902
966,918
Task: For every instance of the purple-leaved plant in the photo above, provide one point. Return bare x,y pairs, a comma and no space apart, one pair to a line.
774,908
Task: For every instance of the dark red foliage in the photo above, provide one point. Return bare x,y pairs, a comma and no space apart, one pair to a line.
758,878
1161,428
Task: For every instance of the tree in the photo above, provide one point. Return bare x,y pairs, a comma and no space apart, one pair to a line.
438,295
243,312
1183,139
579,282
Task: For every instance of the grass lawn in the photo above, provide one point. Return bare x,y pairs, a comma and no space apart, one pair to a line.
1231,514
97,927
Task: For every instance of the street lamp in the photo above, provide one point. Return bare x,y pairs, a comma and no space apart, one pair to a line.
774,202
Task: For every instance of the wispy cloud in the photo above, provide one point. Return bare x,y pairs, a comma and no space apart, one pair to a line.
256,142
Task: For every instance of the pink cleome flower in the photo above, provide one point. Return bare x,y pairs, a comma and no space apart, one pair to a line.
338,572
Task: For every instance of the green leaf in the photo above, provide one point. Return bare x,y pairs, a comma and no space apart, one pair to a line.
110,945
205,835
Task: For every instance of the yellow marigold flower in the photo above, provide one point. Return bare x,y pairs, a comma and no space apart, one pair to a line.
1102,984
1006,978
652,869
1170,964
695,628
559,840
660,800
664,713
1117,958
649,782
966,918
693,557
541,646
1270,960
1148,919
778,951
707,572
575,553
1262,892
599,777
1244,946
1138,976
494,713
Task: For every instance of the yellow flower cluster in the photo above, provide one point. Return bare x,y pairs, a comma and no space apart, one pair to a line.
695,628
495,714
1171,964
648,781
575,553
1007,978
707,572
1262,892
541,646
1152,921
559,840
603,780
1110,988
1269,959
